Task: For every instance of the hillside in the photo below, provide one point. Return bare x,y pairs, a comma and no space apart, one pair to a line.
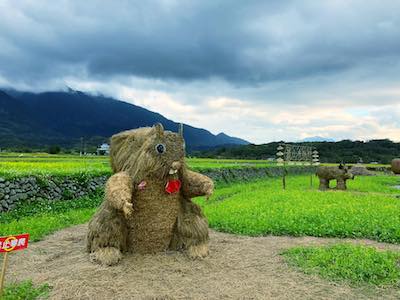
38,120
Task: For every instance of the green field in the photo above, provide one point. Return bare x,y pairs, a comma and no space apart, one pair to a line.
369,209
24,164
15,164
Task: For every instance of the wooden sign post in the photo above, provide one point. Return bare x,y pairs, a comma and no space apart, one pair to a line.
8,244
280,160
295,154
314,161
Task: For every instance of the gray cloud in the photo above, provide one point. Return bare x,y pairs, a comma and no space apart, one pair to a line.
271,62
244,42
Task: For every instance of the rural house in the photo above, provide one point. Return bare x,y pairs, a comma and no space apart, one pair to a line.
104,149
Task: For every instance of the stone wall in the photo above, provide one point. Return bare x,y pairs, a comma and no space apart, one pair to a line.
235,175
37,188
387,170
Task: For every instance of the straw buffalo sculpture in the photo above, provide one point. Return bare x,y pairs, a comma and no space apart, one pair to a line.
340,174
396,165
147,206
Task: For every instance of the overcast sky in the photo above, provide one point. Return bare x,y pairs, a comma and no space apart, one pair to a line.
259,70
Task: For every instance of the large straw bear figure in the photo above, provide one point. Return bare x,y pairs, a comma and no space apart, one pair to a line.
147,206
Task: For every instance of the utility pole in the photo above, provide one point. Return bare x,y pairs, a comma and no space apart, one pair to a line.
314,161
81,152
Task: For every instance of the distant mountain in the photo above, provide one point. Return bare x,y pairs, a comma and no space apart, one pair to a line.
317,139
224,139
38,120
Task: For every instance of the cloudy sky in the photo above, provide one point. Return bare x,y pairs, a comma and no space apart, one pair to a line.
260,70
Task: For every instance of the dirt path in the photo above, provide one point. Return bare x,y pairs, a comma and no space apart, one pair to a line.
238,268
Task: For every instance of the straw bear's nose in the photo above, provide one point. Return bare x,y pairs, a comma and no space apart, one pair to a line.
176,165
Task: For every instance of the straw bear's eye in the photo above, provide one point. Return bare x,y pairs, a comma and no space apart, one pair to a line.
160,148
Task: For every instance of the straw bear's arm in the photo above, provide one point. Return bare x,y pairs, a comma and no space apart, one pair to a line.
195,184
118,192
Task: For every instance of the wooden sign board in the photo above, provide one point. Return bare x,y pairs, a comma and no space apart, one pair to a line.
14,242
8,244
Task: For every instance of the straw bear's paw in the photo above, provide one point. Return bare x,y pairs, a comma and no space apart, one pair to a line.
198,251
108,256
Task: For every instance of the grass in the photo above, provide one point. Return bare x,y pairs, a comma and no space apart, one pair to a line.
355,264
25,291
47,223
48,207
369,209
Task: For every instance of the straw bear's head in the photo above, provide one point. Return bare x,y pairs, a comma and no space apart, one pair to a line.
148,151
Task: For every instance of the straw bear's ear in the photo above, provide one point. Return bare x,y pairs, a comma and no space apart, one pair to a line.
117,140
118,149
159,129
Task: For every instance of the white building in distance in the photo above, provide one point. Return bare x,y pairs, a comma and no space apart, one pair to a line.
104,149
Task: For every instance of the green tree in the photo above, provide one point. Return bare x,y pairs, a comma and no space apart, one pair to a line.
54,149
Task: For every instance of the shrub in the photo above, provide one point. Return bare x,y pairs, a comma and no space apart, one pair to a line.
55,149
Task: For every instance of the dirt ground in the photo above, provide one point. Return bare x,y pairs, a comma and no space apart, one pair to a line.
238,268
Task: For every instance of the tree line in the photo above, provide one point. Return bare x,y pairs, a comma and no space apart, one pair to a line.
380,151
